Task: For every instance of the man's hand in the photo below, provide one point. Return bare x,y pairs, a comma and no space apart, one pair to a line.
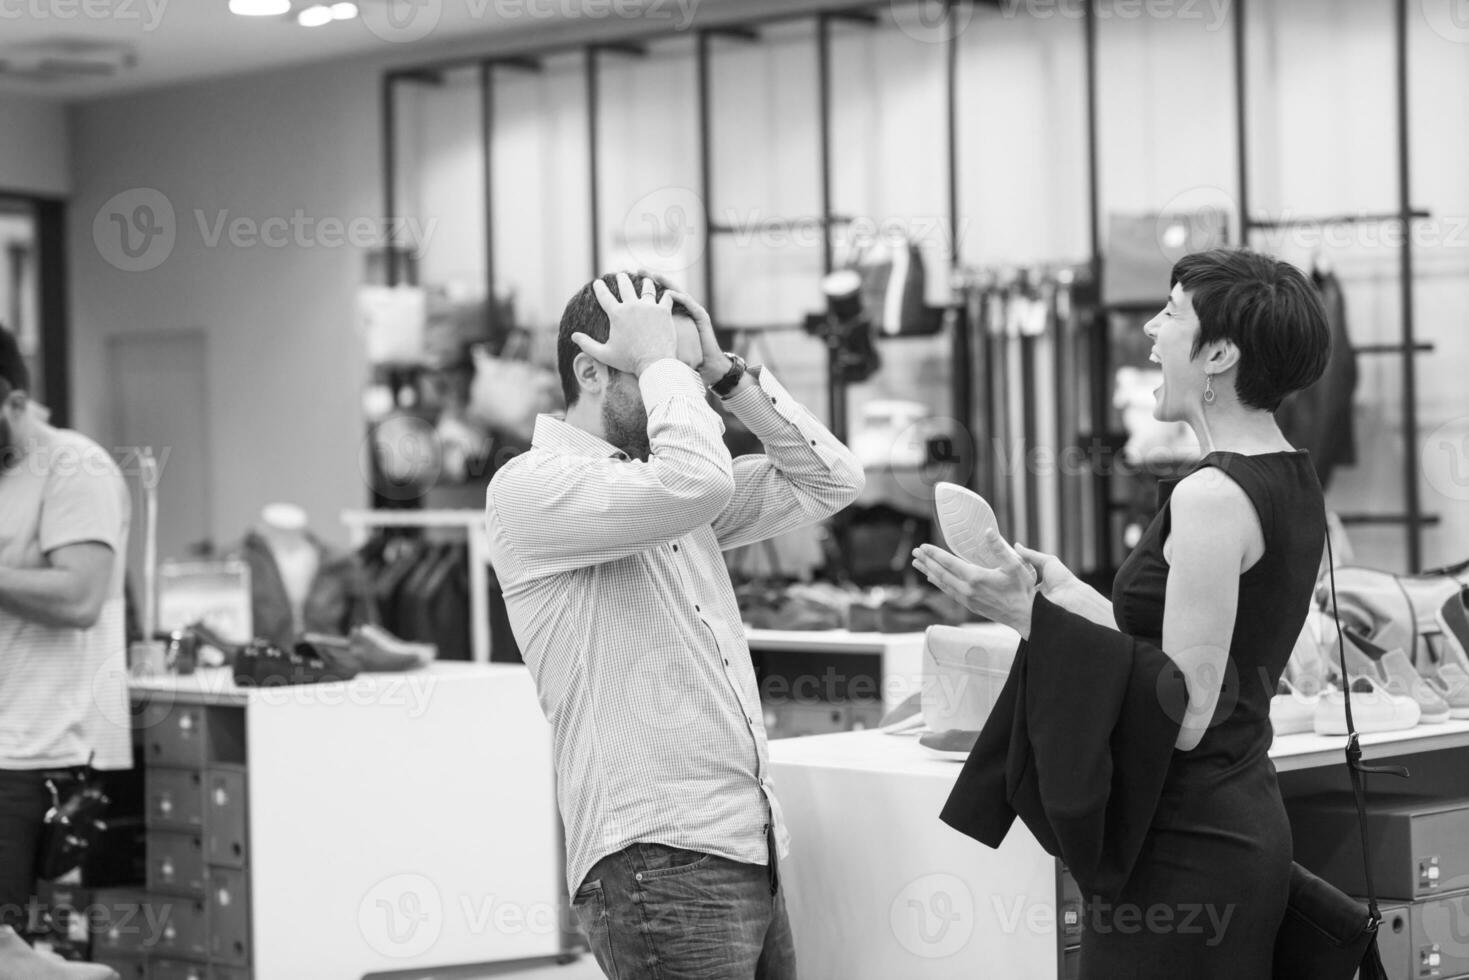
715,364
642,330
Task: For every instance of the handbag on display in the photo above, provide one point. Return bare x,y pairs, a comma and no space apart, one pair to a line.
74,824
893,289
509,391
1326,934
1395,611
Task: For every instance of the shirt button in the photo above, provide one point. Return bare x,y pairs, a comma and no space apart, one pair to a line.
697,609
726,662
675,547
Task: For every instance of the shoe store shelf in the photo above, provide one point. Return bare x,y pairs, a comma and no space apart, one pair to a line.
1308,750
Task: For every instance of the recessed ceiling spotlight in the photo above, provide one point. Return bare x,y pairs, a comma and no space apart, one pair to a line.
260,8
315,16
344,11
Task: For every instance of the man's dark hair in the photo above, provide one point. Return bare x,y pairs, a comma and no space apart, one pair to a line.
1265,307
14,375
583,314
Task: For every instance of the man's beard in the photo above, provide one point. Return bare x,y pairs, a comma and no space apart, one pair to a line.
625,423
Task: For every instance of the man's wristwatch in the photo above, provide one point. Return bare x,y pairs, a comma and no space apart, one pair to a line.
725,386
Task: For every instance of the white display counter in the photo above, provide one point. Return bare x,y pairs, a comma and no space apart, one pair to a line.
395,822
879,888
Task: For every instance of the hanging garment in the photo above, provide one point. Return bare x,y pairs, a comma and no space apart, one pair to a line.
339,598
1319,419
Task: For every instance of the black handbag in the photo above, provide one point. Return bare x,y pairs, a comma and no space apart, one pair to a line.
74,824
1326,934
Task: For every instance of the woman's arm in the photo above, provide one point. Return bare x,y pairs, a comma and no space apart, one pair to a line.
1060,585
1214,526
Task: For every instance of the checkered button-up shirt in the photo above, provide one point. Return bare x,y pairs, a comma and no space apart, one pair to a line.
623,608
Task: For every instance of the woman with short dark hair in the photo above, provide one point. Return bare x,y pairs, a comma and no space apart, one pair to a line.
1221,581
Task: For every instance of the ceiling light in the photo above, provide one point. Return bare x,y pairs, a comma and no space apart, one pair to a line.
315,16
344,11
260,8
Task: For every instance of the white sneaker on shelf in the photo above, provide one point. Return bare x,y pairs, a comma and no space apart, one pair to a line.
1452,683
1374,709
1292,712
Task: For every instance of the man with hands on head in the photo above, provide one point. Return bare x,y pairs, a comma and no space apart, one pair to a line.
607,537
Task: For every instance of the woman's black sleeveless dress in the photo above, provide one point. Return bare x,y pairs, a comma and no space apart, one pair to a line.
1209,888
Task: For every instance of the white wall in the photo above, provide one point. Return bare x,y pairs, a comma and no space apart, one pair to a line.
285,369
33,146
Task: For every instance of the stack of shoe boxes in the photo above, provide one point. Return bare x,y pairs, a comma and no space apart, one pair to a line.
1420,869
193,920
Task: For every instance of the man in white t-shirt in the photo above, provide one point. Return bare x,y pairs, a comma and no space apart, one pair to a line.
64,514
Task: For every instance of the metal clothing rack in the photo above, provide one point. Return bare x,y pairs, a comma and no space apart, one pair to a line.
472,523
1411,518
733,28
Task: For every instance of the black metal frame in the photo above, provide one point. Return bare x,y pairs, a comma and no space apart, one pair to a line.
1412,519
1095,355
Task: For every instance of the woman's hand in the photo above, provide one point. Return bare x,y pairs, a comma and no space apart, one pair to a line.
1003,594
1050,570
1061,586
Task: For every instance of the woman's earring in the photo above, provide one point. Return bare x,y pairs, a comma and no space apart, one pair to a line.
1208,389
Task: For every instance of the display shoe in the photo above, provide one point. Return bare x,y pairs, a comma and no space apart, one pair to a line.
377,649
1292,712
954,744
18,961
1452,683
967,520
1374,709
1395,671
1453,619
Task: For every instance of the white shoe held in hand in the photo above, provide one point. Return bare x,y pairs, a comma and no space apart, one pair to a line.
966,518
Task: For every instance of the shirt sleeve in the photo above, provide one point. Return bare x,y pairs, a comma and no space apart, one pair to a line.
85,501
804,476
561,512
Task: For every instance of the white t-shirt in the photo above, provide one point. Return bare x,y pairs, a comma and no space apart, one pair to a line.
63,691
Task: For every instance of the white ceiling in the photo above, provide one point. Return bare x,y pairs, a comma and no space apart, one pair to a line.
182,40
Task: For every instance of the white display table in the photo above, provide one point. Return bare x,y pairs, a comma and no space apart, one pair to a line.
395,821
879,888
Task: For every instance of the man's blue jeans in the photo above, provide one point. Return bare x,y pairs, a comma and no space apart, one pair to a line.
653,912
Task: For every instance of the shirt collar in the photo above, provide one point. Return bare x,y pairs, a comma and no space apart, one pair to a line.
556,435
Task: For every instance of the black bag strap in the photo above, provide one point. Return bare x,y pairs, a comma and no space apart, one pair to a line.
1355,766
